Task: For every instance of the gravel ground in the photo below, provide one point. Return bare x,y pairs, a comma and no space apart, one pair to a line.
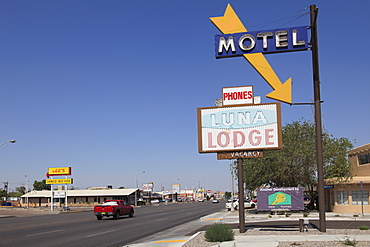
199,240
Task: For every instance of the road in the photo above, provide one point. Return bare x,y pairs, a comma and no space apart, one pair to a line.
82,228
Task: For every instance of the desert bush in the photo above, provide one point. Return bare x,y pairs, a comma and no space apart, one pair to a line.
363,228
219,232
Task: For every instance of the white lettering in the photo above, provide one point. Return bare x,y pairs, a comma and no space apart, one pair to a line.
259,117
280,37
244,118
264,37
213,120
295,42
224,119
226,45
251,40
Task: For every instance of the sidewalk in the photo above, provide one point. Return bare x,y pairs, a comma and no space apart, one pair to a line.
177,237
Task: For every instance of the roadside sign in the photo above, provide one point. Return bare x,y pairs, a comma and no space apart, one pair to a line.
59,181
237,95
239,128
239,155
59,171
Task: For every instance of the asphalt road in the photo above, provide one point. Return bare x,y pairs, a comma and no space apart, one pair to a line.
82,228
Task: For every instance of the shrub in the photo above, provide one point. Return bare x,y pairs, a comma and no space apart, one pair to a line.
355,215
219,232
363,228
305,215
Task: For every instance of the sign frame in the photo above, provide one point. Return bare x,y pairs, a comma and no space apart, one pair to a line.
275,111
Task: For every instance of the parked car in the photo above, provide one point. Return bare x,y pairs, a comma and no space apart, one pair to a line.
155,201
215,201
201,200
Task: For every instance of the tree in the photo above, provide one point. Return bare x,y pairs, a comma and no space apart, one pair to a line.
41,185
227,194
295,164
2,193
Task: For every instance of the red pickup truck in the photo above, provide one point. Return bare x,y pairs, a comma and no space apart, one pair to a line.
114,208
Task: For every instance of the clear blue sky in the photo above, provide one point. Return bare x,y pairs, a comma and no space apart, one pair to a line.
111,88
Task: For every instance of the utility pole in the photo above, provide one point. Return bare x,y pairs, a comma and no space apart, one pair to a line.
318,123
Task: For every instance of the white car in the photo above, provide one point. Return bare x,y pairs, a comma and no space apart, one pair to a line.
155,201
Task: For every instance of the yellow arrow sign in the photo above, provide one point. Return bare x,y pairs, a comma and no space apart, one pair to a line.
230,23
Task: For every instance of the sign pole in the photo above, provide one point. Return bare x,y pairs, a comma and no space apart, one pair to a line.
241,196
318,124
52,199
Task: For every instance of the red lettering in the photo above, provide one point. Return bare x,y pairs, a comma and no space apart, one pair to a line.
255,141
227,139
210,145
235,137
250,94
268,136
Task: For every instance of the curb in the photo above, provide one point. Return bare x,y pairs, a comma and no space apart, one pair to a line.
193,236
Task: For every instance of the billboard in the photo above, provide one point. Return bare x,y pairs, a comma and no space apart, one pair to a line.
239,128
290,198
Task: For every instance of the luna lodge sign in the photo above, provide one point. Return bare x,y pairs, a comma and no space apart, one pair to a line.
237,128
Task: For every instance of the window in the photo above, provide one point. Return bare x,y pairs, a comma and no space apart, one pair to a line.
332,198
118,198
342,197
356,197
364,159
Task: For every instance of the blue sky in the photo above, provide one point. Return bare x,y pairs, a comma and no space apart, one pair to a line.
111,88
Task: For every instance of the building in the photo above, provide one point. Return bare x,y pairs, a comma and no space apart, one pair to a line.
351,196
78,197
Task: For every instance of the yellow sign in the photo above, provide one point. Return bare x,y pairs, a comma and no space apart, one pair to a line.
230,23
59,181
57,171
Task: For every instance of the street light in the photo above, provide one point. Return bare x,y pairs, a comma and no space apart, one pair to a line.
11,141
137,187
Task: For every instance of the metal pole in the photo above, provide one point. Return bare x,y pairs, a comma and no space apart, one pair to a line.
26,192
52,199
318,124
241,196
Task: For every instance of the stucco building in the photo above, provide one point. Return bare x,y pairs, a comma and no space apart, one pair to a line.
352,196
77,197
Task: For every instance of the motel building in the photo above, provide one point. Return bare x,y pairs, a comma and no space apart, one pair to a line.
351,196
87,197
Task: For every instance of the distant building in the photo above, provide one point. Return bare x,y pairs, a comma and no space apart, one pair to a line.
351,196
78,197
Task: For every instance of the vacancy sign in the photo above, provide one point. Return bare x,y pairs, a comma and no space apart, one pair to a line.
237,128
237,95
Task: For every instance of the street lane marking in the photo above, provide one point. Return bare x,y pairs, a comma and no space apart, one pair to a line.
169,241
40,233
162,219
213,219
100,233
